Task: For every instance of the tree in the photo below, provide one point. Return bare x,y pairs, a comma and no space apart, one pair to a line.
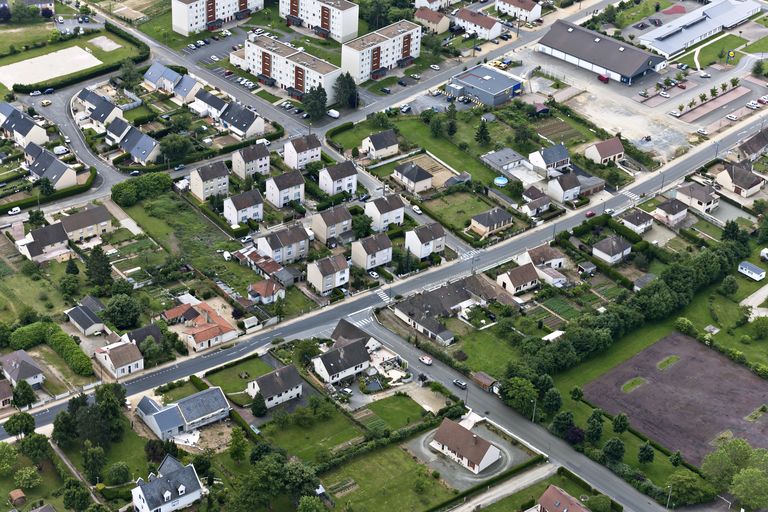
263,483
561,423
735,82
714,92
703,97
72,268
23,394
614,449
36,218
64,429
299,479
381,120
35,447
676,458
21,13
760,328
750,486
97,268
681,107
5,13
237,445
117,473
758,68
346,90
259,406
552,401
577,394
46,187
175,146
129,74
8,456
315,101
520,394
646,453
97,507
620,423
361,226
723,86
595,426
76,496
729,286
482,135
311,504
720,466
27,478
436,126
181,123
692,103
451,127
377,14
687,487
94,460
69,285
19,424
123,311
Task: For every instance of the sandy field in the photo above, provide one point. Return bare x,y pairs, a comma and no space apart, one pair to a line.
45,67
104,43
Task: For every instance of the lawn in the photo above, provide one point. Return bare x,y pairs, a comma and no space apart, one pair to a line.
17,290
269,18
708,229
177,394
455,210
638,12
135,113
396,411
710,52
159,29
229,378
297,303
759,46
375,86
307,443
516,501
19,36
651,204
326,49
51,482
485,350
267,96
385,480
633,384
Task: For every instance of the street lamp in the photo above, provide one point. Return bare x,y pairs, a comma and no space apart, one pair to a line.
533,417
669,496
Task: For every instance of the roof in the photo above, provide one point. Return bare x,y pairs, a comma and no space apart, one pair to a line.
288,180
428,15
487,78
46,237
462,441
286,237
413,172
279,381
493,217
476,18
6,391
47,165
331,264
538,203
339,359
588,182
533,193
526,5
118,127
92,303
587,266
340,171
568,181
212,171
202,403
83,317
147,406
672,206
185,311
502,157
239,116
172,476
211,100
703,193
335,215
102,107
612,245
388,203
375,243
742,176
644,280
544,253
304,143
755,144
309,61
91,216
138,144
636,217
610,147
122,354
168,419
265,288
398,28
185,85
429,232
341,5
524,274
158,71
751,267
382,35
142,333
593,47
555,499
255,152
246,199
346,332
45,508
19,366
19,122
554,154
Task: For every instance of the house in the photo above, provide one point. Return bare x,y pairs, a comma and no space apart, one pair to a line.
142,148
285,188
6,394
93,221
590,185
532,193
209,180
432,20
553,158
521,10
44,244
328,273
187,414
671,212
371,56
299,151
267,291
98,109
463,447
490,222
551,276
478,23
380,145
536,207
203,326
565,187
333,226
286,245
345,362
18,366
242,207
637,220
412,177
338,178
424,240
700,197
555,499
754,147
519,279
612,249
372,251
243,123
207,104
739,179
175,487
116,131
250,161
384,211
186,89
140,335
543,256
277,387
160,77
346,332
605,152
20,127
120,359
502,160
42,164
751,271
85,318
587,267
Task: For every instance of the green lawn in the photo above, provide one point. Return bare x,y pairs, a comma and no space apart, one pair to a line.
650,205
297,303
632,384
455,210
759,46
178,393
267,96
397,411
45,491
514,502
384,481
708,228
22,35
135,113
307,443
64,9
375,86
269,18
229,378
18,290
326,49
638,12
486,350
710,52
159,29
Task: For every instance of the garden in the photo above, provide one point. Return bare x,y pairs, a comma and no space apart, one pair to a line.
393,412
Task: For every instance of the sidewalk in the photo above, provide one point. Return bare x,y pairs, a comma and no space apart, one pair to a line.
511,486
754,301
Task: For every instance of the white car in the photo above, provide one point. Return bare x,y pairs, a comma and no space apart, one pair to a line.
67,139
374,275
14,211
753,105
732,117
246,239
664,94
415,76
214,58
674,113
704,74
191,46
35,93
426,360
416,209
702,131
435,67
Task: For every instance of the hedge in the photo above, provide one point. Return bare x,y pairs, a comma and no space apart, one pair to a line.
343,127
198,383
29,336
694,238
277,134
59,194
616,507
122,493
62,343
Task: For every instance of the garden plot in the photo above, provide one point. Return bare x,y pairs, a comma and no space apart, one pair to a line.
557,131
688,404
45,67
440,173
549,320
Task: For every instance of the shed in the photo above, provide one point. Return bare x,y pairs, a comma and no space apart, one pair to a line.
17,497
587,267
751,271
485,381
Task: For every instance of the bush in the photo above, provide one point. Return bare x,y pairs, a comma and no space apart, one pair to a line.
128,193
198,383
118,473
59,194
63,344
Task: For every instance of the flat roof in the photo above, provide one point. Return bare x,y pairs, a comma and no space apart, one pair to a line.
382,35
273,46
366,41
488,79
341,5
398,28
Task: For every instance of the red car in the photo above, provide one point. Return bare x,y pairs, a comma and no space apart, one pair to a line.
681,85
590,214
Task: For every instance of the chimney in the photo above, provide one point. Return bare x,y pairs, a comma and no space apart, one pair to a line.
474,438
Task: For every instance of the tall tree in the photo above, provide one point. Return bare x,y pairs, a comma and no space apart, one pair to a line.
23,394
552,401
64,429
76,496
720,466
750,486
19,424
520,394
436,126
35,447
98,268
377,15
620,423
27,478
175,146
361,225
482,135
46,187
94,460
36,218
123,310
237,445
8,457
346,90
646,454
614,449
315,101
129,74
72,268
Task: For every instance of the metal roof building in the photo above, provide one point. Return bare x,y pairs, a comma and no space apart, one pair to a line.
486,84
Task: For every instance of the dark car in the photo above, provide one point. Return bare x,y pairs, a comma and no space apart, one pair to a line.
234,47
505,37
48,91
386,90
364,197
215,38
402,82
207,41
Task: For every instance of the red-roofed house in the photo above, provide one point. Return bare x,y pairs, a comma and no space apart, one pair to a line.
525,10
203,326
555,499
266,291
432,20
607,151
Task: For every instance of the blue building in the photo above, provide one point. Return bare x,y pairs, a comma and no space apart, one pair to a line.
485,84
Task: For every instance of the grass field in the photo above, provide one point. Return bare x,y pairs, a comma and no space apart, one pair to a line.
515,501
179,393
46,491
267,96
375,86
633,384
710,52
159,29
564,129
759,46
396,411
19,36
229,378
455,210
667,362
638,12
486,350
385,481
135,113
708,228
307,443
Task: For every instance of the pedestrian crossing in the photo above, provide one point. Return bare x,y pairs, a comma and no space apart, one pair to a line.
634,197
469,254
384,296
363,323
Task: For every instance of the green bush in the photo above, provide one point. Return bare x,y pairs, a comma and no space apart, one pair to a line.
30,335
63,344
130,192
198,383
59,194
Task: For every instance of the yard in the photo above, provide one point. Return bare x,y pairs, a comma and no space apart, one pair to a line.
485,350
760,46
710,53
708,229
383,481
267,96
135,113
229,379
19,36
177,394
395,412
564,129
159,29
455,210
517,500
51,482
640,11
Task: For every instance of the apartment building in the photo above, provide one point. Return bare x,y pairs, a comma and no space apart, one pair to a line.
328,273
372,55
209,180
338,178
335,19
286,245
192,16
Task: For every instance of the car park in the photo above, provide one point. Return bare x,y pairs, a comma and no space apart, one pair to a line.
681,85
426,360
402,83
214,58
459,383
199,43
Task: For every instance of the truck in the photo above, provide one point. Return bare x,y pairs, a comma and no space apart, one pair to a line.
333,113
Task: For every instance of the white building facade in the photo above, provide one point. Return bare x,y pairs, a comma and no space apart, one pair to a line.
336,19
192,16
373,54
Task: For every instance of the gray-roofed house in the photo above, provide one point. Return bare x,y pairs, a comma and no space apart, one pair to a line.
612,249
174,487
242,122
92,303
502,160
277,387
739,179
206,104
41,164
424,240
329,273
490,222
6,394
44,244
120,359
637,220
380,145
754,147
536,207
299,151
565,187
338,178
209,180
372,251
589,185
94,220
244,206
185,90
671,212
346,332
553,159
384,211
98,109
160,76
18,366
600,54
85,319
142,148
138,336
542,256
341,363
286,245
19,127
751,270
698,196
333,226
412,177
251,160
116,131
519,279
486,27
189,413
285,188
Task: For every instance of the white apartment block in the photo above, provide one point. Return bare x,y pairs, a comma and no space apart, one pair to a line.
296,72
193,16
339,178
371,55
336,19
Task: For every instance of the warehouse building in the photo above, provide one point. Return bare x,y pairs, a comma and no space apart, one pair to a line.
609,58
485,84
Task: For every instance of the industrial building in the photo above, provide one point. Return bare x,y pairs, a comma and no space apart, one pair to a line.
485,84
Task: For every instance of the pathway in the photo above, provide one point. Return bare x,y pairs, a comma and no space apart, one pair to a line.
754,301
510,486
75,472
122,217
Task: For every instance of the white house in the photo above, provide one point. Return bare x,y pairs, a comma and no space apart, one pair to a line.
412,177
542,256
266,291
209,180
612,249
380,145
479,23
285,188
605,152
185,415
192,16
206,104
523,10
751,271
384,211
371,56
342,363
426,239
671,212
251,160
739,179
242,207
701,197
372,251
121,358
299,151
463,447
18,366
565,187
243,123
519,279
554,159
44,244
20,127
286,245
277,387
338,178
637,220
328,273
335,19
174,487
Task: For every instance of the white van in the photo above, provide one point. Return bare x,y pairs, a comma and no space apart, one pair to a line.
263,141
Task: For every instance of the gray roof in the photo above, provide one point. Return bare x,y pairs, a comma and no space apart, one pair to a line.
604,51
238,116
348,356
533,193
644,280
501,158
413,172
138,144
83,317
335,215
554,154
101,106
587,181
742,176
486,78
246,199
157,71
286,237
568,181
636,217
118,127
346,332
19,366
142,333
185,85
213,171
612,245
255,152
343,170
92,303
703,193
91,216
6,391
147,406
288,180
388,203
18,122
672,206
202,404
751,267
168,419
46,165
171,476
47,507
755,144
45,237
375,243
429,232
331,264
494,217
383,139
123,354
278,381
304,142
525,274
211,100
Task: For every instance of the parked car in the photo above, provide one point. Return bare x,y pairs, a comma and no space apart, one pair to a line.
405,109
702,131
178,167
762,100
681,85
67,139
426,360
753,105
664,94
435,67
227,72
459,383
402,82
199,43
246,239
704,74
191,46
505,37
364,197
386,90
207,41
234,47
14,211
732,117
674,113
45,103
373,274
214,58
590,214
35,93
682,66
416,209
415,76
135,173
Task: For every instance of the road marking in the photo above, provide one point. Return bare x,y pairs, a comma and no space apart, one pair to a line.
469,254
361,323
631,195
384,296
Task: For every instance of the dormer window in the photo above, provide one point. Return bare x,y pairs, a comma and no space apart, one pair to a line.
181,490
167,496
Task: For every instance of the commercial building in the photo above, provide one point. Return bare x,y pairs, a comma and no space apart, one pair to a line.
486,84
193,16
606,56
372,55
336,19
